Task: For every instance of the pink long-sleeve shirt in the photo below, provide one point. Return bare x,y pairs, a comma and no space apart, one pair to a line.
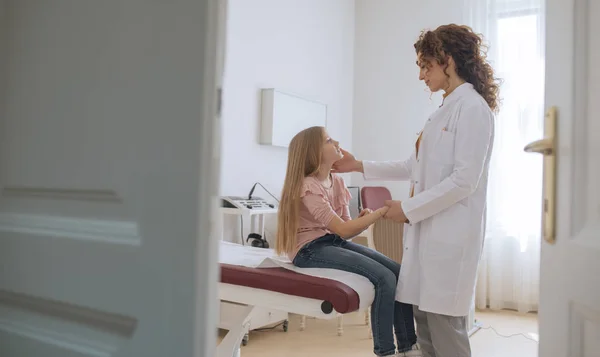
318,207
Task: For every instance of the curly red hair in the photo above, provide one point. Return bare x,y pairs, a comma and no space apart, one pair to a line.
469,54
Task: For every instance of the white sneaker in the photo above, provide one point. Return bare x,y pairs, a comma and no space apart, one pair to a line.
415,351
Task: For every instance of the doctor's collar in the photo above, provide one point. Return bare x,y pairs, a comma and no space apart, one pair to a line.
456,93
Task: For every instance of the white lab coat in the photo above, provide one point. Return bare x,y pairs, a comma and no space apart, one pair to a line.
444,239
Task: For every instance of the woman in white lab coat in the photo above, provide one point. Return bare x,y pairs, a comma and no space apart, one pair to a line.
448,171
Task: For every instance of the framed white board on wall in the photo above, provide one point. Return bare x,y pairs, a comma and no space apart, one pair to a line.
285,114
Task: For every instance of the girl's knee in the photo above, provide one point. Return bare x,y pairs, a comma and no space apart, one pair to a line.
387,279
396,269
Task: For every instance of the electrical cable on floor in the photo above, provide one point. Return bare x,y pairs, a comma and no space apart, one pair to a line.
507,336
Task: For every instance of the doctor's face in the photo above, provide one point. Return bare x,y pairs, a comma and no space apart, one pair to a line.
432,73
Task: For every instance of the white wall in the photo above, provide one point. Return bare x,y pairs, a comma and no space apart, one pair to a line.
302,46
390,103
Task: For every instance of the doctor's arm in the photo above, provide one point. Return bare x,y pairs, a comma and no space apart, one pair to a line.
387,170
373,170
471,146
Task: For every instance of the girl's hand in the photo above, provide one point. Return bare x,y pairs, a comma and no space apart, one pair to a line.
365,212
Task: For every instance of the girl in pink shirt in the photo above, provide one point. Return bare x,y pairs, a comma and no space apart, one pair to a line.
314,225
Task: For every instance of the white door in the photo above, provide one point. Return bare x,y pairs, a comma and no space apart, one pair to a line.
569,313
107,174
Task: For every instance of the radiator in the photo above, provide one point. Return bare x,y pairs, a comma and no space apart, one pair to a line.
387,238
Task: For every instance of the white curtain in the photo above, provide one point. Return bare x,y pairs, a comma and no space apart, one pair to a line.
509,271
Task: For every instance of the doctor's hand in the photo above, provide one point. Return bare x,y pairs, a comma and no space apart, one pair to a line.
348,163
395,213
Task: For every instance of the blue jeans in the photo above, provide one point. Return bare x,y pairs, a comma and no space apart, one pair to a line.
387,314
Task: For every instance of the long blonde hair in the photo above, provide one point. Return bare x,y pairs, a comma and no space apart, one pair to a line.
304,159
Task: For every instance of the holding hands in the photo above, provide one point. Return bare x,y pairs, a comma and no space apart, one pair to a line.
395,212
392,209
365,212
380,212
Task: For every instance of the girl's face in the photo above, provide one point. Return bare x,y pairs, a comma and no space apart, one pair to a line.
331,150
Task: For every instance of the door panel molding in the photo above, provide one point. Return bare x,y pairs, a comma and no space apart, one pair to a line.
61,193
578,141
104,231
584,338
62,326
49,337
112,323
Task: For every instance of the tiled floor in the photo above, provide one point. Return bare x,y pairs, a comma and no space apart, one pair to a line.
320,338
